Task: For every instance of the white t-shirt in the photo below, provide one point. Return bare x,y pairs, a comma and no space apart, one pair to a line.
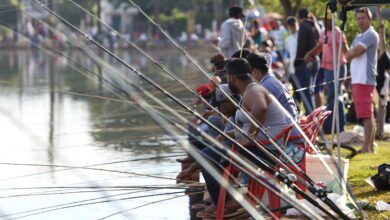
363,67
291,46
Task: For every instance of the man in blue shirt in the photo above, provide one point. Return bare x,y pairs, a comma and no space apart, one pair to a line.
261,72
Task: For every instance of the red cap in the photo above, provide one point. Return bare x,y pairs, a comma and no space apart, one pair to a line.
204,90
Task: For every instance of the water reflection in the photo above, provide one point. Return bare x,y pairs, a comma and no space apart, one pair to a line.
43,126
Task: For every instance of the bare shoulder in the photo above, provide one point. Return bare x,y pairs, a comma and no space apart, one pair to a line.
257,92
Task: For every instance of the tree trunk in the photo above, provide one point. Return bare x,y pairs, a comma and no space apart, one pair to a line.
381,31
289,8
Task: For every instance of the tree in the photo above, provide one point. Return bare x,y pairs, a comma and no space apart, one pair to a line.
290,7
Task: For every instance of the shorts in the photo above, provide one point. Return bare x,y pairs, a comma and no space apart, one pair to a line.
363,98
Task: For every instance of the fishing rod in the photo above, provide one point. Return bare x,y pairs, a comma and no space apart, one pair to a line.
192,91
192,60
144,91
148,80
322,135
206,136
252,120
166,70
61,53
88,37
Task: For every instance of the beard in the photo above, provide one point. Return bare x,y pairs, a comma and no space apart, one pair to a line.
233,88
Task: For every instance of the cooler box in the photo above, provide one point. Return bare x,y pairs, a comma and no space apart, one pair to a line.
319,173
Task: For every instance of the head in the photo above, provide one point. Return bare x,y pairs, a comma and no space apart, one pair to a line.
266,46
259,65
363,16
303,14
277,25
238,74
218,62
224,104
204,90
236,12
255,24
292,24
238,54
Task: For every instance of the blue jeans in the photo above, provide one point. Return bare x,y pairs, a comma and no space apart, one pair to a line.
329,76
213,186
305,74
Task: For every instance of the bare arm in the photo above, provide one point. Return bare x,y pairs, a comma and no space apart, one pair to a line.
316,50
257,107
355,52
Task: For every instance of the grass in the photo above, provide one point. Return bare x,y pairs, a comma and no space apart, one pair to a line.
363,166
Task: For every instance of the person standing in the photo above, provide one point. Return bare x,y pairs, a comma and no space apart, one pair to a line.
232,32
382,78
363,57
327,66
291,47
308,36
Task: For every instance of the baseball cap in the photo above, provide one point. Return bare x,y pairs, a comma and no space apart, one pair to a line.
204,90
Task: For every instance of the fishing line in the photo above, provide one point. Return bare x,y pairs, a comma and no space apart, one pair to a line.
329,203
86,36
316,150
248,116
102,164
203,100
61,192
150,203
85,168
84,203
109,52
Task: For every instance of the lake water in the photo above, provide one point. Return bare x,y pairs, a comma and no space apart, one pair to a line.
68,152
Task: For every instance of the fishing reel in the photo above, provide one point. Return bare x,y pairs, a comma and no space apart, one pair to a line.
321,191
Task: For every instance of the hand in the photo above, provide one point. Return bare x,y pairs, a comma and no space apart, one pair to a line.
182,175
349,58
220,138
244,142
308,58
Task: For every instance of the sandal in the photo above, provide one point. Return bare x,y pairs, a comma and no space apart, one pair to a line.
201,205
207,212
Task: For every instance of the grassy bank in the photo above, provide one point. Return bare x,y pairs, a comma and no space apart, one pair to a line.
363,166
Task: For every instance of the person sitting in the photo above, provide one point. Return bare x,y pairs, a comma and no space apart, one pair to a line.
227,108
261,72
257,102
218,61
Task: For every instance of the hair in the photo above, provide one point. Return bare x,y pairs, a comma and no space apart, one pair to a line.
238,54
364,10
235,11
218,60
239,68
291,20
312,16
259,62
303,13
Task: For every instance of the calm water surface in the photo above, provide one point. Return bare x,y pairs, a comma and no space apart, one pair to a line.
47,132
